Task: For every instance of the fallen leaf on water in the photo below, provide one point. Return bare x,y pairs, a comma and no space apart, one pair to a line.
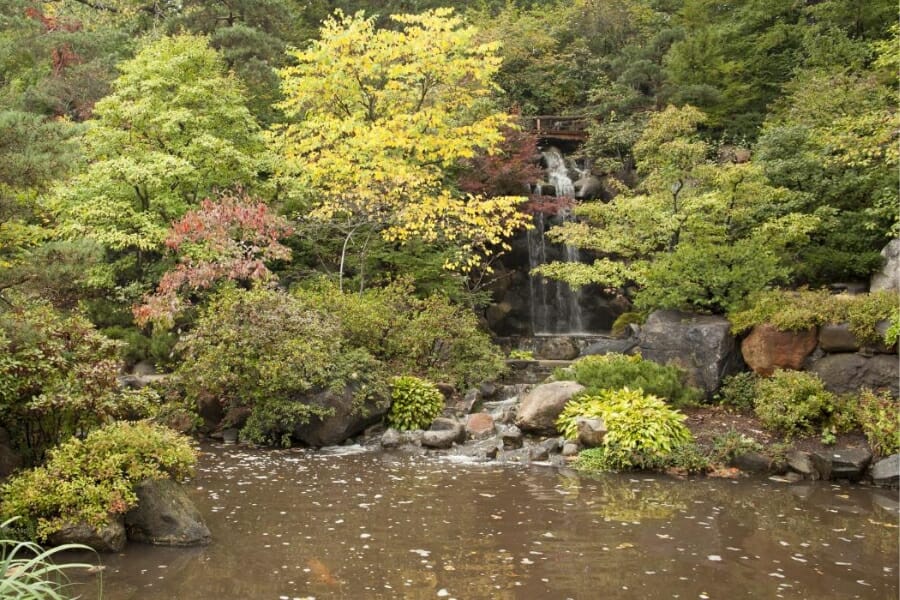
624,545
321,572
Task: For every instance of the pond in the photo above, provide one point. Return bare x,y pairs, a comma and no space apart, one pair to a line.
367,524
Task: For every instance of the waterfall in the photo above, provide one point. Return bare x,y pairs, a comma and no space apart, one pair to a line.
558,173
555,308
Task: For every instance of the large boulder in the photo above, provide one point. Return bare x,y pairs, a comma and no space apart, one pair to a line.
479,425
106,538
556,348
348,419
837,337
768,348
611,346
845,373
886,472
888,278
701,344
443,433
842,463
165,516
541,406
588,188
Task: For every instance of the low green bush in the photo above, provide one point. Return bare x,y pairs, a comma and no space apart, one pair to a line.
265,351
616,371
792,402
731,444
415,403
28,572
582,406
430,337
879,416
641,431
88,480
738,391
799,310
521,355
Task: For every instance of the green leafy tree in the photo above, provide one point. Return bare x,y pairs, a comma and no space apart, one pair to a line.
376,119
700,236
174,129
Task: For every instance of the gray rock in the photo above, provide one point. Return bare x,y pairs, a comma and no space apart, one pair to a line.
570,449
165,516
801,463
553,445
837,337
886,472
443,434
588,188
611,346
541,406
107,538
591,432
845,373
468,402
230,435
511,437
842,463
394,439
346,422
144,367
888,278
751,462
538,453
556,348
701,344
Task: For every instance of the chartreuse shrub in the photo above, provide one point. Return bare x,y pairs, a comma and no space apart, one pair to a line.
792,402
28,572
266,351
642,432
88,480
58,378
430,337
616,371
879,417
800,310
415,403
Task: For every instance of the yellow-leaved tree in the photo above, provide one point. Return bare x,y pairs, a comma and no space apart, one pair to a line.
377,119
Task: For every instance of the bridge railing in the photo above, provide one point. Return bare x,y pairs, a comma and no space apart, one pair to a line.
557,126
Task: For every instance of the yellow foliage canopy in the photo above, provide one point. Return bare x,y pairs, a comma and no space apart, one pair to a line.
377,116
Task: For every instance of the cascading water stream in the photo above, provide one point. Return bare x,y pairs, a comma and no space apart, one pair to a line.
555,308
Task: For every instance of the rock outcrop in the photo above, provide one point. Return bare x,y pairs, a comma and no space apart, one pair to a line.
845,373
541,406
106,538
348,420
768,348
165,516
888,278
701,344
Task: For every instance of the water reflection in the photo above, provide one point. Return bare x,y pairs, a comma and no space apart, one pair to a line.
294,524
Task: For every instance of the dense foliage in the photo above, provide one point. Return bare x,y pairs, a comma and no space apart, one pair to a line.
792,402
641,431
616,371
800,310
415,403
265,351
92,479
879,417
57,378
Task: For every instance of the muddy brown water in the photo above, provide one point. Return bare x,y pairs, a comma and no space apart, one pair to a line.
358,525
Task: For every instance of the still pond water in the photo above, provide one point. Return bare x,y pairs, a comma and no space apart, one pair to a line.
358,525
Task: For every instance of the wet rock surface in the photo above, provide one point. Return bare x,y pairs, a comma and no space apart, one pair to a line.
346,422
886,472
165,516
106,538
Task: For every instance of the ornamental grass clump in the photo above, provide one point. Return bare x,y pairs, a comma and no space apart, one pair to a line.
415,403
642,431
28,572
91,479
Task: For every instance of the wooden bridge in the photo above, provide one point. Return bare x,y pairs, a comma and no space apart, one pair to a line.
557,127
